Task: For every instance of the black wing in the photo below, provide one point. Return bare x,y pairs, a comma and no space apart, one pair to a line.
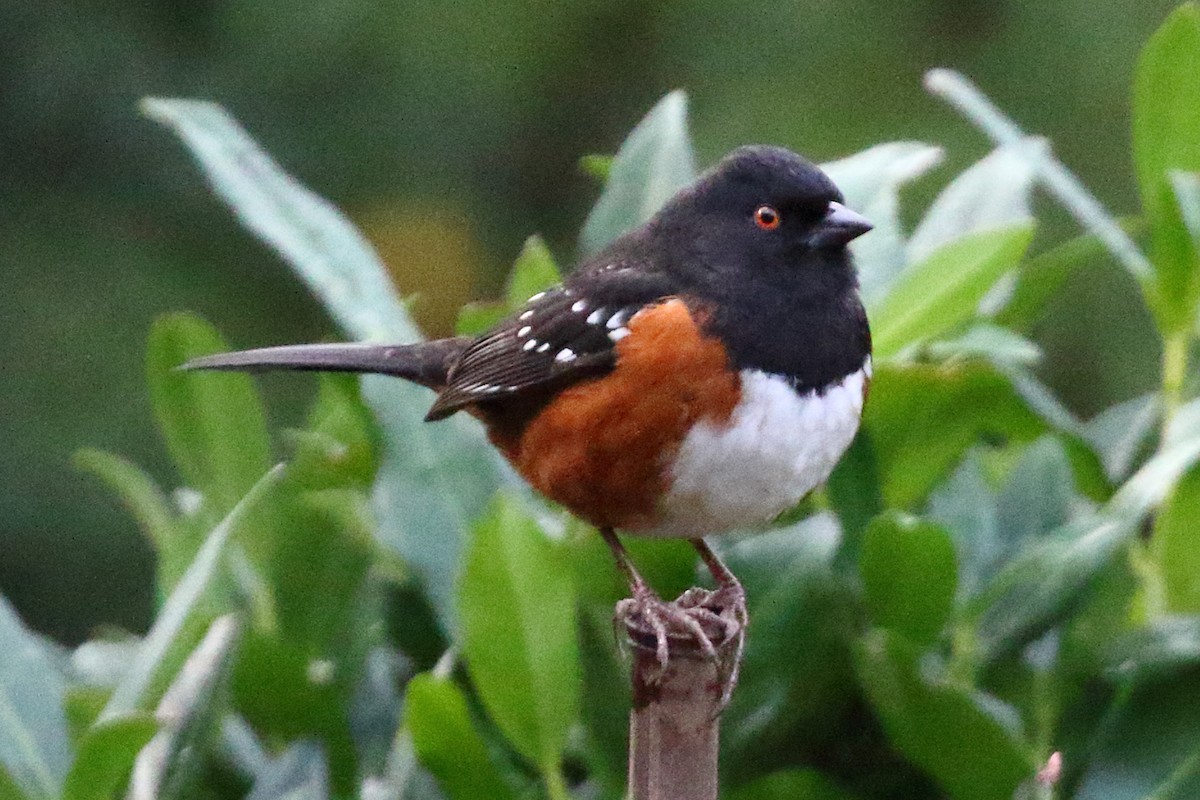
561,335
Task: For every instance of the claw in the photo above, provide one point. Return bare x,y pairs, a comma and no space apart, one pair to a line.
707,620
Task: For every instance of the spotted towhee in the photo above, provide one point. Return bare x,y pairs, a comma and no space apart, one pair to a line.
702,374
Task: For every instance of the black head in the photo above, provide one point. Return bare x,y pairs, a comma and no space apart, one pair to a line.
764,208
761,240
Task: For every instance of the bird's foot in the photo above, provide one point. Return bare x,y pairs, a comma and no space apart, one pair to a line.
707,622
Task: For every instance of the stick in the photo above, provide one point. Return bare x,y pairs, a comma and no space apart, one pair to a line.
674,723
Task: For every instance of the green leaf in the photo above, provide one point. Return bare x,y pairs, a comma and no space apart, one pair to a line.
447,743
855,494
476,318
793,784
188,711
35,749
1175,547
991,194
1153,482
961,402
106,756
909,574
797,673
1042,276
966,507
597,166
1186,187
952,734
1037,498
316,240
996,345
1038,588
517,606
317,574
1162,649
285,691
944,290
871,182
299,773
653,163
1149,748
137,491
338,447
154,656
213,423
433,480
1166,122
533,272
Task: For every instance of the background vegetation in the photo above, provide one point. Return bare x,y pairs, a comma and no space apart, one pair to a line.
449,134
999,570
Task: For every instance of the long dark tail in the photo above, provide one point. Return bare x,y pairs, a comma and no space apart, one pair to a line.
426,363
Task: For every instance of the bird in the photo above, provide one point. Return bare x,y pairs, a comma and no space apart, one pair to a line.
701,374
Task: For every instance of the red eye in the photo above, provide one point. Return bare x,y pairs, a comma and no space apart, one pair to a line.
766,218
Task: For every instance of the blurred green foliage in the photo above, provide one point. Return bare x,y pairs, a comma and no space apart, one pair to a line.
449,132
992,575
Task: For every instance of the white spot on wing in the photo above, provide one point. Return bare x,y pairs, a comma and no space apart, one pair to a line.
564,355
595,317
525,315
543,347
617,319
524,332
579,306
532,343
618,334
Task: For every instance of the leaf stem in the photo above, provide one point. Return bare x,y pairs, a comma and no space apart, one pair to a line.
556,784
1174,372
1058,180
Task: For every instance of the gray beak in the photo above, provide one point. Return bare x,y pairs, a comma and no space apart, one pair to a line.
839,227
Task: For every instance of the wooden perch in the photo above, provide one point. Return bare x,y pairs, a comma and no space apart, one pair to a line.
675,719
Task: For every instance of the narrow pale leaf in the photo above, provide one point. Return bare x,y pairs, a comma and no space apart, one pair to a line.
316,240
1163,649
185,714
993,193
517,606
137,491
653,163
35,749
1153,482
300,773
871,182
130,694
1119,433
944,290
1037,590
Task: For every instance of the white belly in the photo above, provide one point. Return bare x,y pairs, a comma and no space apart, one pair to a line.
777,446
